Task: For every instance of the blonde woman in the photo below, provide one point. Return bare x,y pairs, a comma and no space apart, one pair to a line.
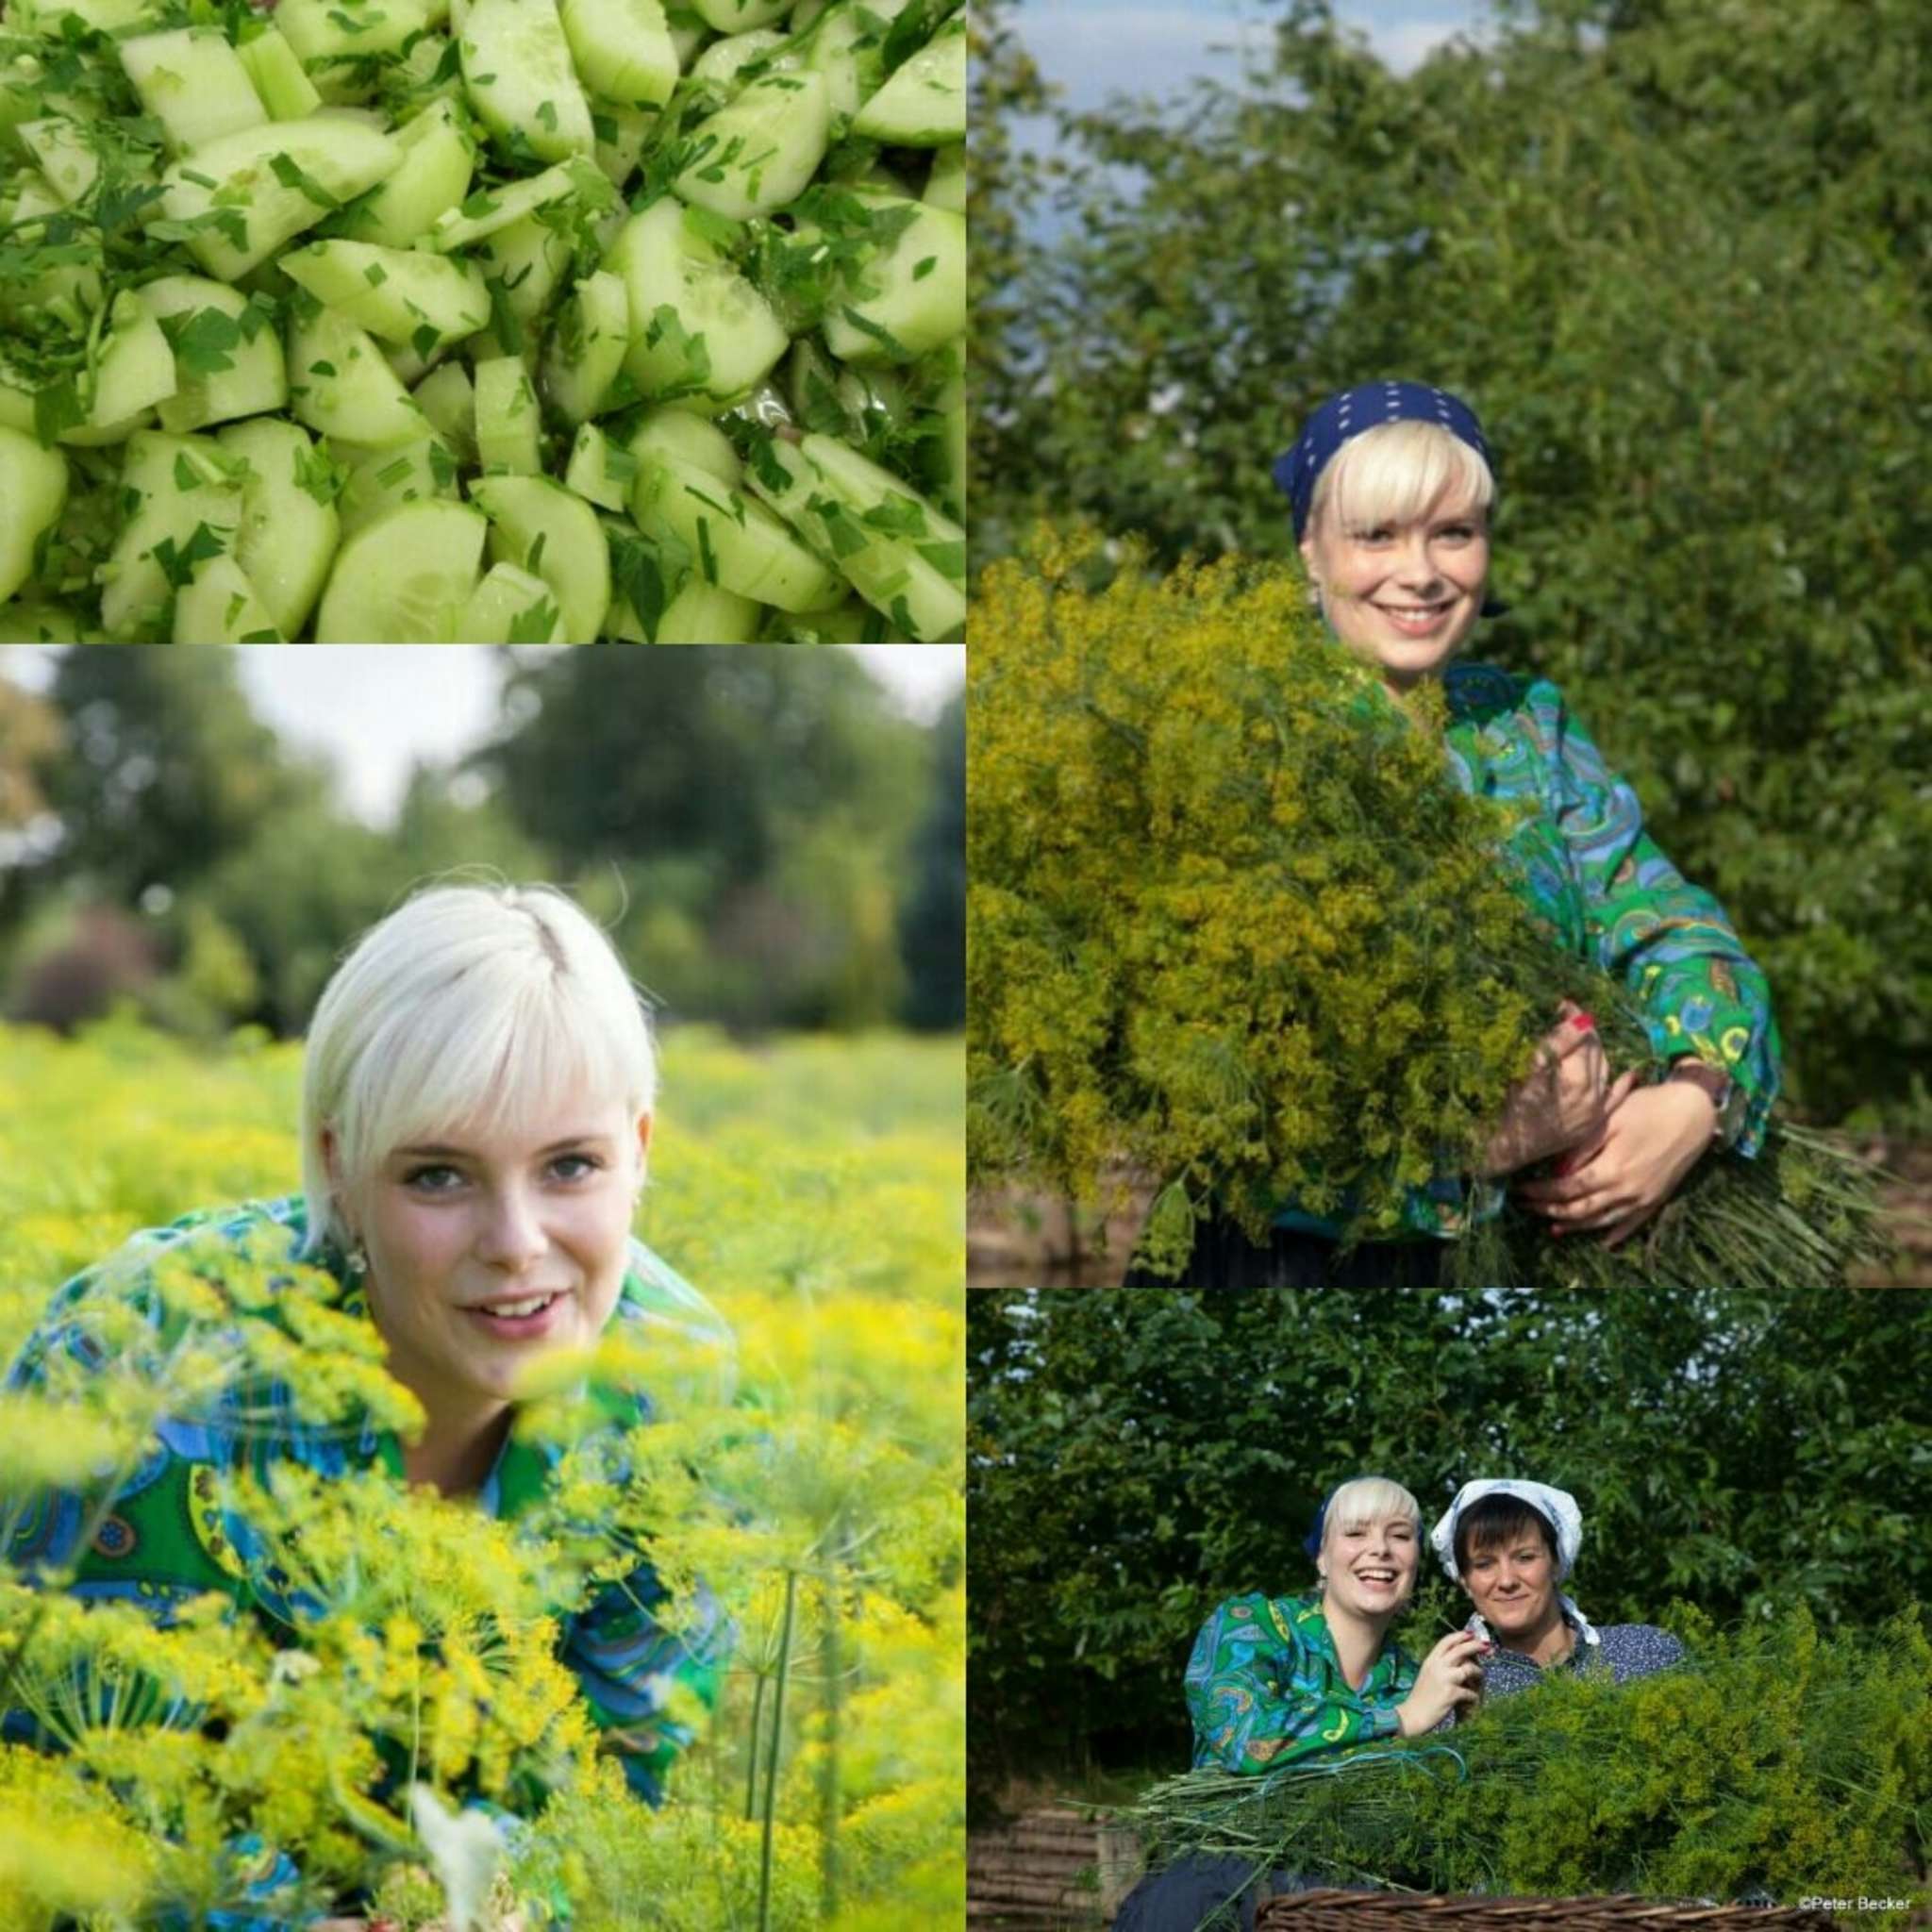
1274,1679
1391,486
477,1102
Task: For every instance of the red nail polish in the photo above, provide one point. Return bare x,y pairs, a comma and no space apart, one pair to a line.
1584,1023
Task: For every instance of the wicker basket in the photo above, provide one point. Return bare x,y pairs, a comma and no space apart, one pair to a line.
1381,1911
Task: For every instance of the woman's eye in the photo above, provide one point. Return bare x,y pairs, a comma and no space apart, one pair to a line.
1380,534
575,1167
432,1179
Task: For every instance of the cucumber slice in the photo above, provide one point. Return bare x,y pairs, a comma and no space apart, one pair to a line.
404,579
528,260
490,210
946,187
340,385
276,69
193,83
61,152
591,474
900,553
401,294
290,525
723,61
507,419
326,30
699,328
540,526
518,75
621,48
511,606
187,505
735,16
847,45
385,480
431,179
587,347
690,440
228,358
136,366
448,398
39,623
682,608
271,183
222,606
909,298
33,492
761,151
923,105
734,541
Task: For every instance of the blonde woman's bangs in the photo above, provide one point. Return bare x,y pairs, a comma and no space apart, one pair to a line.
1370,1499
1395,473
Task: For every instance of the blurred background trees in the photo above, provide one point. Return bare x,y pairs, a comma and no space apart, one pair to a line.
756,826
1676,251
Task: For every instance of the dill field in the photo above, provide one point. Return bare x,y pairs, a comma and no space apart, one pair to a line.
811,1190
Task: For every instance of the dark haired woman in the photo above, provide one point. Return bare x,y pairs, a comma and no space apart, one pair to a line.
1510,1544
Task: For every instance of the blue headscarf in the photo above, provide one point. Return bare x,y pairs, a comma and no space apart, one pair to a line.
1367,406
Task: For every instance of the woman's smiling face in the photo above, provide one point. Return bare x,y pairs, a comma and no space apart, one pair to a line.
488,1246
1403,595
1368,1564
1513,1585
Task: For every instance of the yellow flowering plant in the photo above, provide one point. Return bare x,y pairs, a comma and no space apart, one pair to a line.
378,1641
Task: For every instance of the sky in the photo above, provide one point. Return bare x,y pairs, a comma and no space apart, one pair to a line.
375,710
1093,48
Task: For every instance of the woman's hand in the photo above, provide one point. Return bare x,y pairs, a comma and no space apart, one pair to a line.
1451,1676
1560,1103
1652,1139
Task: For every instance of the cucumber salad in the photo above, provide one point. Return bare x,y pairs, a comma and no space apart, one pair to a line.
482,320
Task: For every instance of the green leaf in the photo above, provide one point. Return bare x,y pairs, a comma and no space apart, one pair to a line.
178,565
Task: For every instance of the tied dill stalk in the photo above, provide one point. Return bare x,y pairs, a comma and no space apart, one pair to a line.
1233,926
1777,1760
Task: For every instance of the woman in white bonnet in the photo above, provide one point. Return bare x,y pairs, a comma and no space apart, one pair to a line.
1510,1545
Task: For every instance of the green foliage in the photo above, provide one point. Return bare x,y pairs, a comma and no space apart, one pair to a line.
813,1191
932,923
1136,1458
1675,254
1776,1760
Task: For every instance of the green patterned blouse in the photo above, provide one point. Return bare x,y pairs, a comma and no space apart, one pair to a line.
1265,1687
1595,876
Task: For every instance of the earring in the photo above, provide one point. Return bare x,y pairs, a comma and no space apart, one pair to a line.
358,1262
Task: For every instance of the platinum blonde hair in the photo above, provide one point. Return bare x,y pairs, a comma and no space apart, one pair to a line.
469,1005
1392,472
1369,1499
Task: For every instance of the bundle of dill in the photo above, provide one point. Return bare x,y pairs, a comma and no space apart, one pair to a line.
1232,924
1777,1762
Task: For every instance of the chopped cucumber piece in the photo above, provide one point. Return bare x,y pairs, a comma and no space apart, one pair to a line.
511,606
910,297
622,49
404,579
280,82
507,419
290,525
518,75
194,84
33,492
923,105
222,606
761,151
228,358
185,500
734,540
341,387
401,294
541,527
431,180
587,347
385,480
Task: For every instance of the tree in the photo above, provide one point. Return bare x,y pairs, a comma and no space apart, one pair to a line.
932,920
1676,255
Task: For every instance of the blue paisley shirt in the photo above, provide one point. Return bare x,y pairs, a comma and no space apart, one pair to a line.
1609,895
